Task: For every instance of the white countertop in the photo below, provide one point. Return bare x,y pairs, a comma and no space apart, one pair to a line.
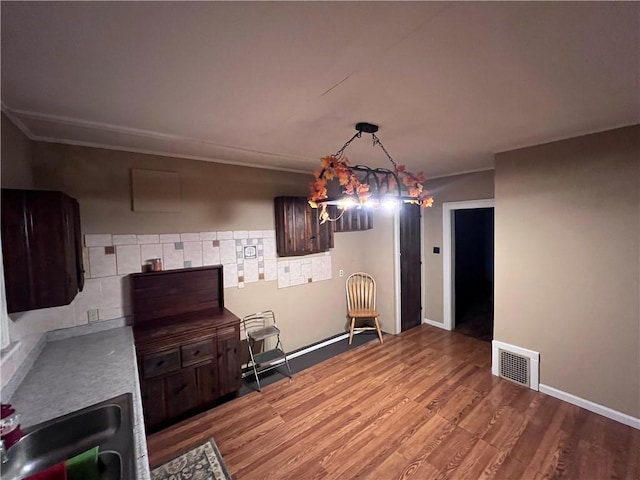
77,372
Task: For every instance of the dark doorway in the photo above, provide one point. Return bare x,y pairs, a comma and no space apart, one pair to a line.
473,259
410,267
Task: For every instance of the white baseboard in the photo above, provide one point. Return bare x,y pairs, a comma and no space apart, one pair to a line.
317,346
592,406
433,323
534,360
308,349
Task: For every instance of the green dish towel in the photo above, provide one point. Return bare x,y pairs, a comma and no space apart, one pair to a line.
83,466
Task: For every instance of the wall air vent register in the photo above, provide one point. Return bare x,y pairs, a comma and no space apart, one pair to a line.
515,367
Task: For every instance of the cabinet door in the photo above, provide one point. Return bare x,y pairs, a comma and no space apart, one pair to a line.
298,228
182,394
351,220
39,249
207,378
153,402
15,251
229,374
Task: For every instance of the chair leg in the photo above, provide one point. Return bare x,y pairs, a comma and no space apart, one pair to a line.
378,329
253,364
353,323
286,360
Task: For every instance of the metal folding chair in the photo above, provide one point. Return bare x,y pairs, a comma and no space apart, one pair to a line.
261,327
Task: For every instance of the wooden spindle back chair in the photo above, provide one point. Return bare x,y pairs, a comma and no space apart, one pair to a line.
361,302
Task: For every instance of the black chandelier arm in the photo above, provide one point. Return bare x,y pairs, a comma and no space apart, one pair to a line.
384,172
369,173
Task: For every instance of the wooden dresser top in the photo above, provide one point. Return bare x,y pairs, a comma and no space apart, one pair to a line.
178,305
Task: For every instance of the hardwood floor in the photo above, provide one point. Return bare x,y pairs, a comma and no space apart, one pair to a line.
422,405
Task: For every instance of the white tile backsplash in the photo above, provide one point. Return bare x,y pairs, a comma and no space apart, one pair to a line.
128,259
88,299
125,239
240,234
111,313
210,254
208,236
226,235
114,291
269,248
255,233
101,264
85,262
98,240
169,237
189,237
153,238
192,252
172,258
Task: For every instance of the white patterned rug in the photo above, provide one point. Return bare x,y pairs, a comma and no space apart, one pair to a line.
200,463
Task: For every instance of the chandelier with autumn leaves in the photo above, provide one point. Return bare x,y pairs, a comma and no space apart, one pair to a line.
355,186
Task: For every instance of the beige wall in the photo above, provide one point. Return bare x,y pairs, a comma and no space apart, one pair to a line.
215,197
15,157
568,265
471,186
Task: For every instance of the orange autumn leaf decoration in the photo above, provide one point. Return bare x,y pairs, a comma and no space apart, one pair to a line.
338,168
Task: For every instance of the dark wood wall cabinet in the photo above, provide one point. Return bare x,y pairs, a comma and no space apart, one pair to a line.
41,249
298,228
351,220
187,343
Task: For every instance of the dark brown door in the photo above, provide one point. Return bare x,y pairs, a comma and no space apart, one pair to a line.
410,267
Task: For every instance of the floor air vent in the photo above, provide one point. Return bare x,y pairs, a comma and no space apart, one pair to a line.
515,367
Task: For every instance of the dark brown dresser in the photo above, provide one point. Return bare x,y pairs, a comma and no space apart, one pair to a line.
187,343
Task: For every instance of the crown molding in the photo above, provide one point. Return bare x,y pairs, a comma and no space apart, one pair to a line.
15,116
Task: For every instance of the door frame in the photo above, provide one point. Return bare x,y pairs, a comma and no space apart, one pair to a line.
396,269
448,239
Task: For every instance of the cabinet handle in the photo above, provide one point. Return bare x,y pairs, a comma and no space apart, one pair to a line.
160,363
197,352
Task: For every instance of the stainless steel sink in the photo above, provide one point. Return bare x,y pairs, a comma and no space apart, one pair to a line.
108,425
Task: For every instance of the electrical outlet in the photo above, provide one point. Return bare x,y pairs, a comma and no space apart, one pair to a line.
341,273
93,315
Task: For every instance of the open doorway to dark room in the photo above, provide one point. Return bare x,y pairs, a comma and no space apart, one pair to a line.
474,272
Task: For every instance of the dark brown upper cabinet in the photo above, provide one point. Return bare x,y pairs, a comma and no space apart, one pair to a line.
298,228
41,249
351,220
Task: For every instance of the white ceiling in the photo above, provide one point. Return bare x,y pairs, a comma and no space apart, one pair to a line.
282,84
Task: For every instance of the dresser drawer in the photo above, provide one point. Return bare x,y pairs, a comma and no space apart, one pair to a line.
156,364
197,352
